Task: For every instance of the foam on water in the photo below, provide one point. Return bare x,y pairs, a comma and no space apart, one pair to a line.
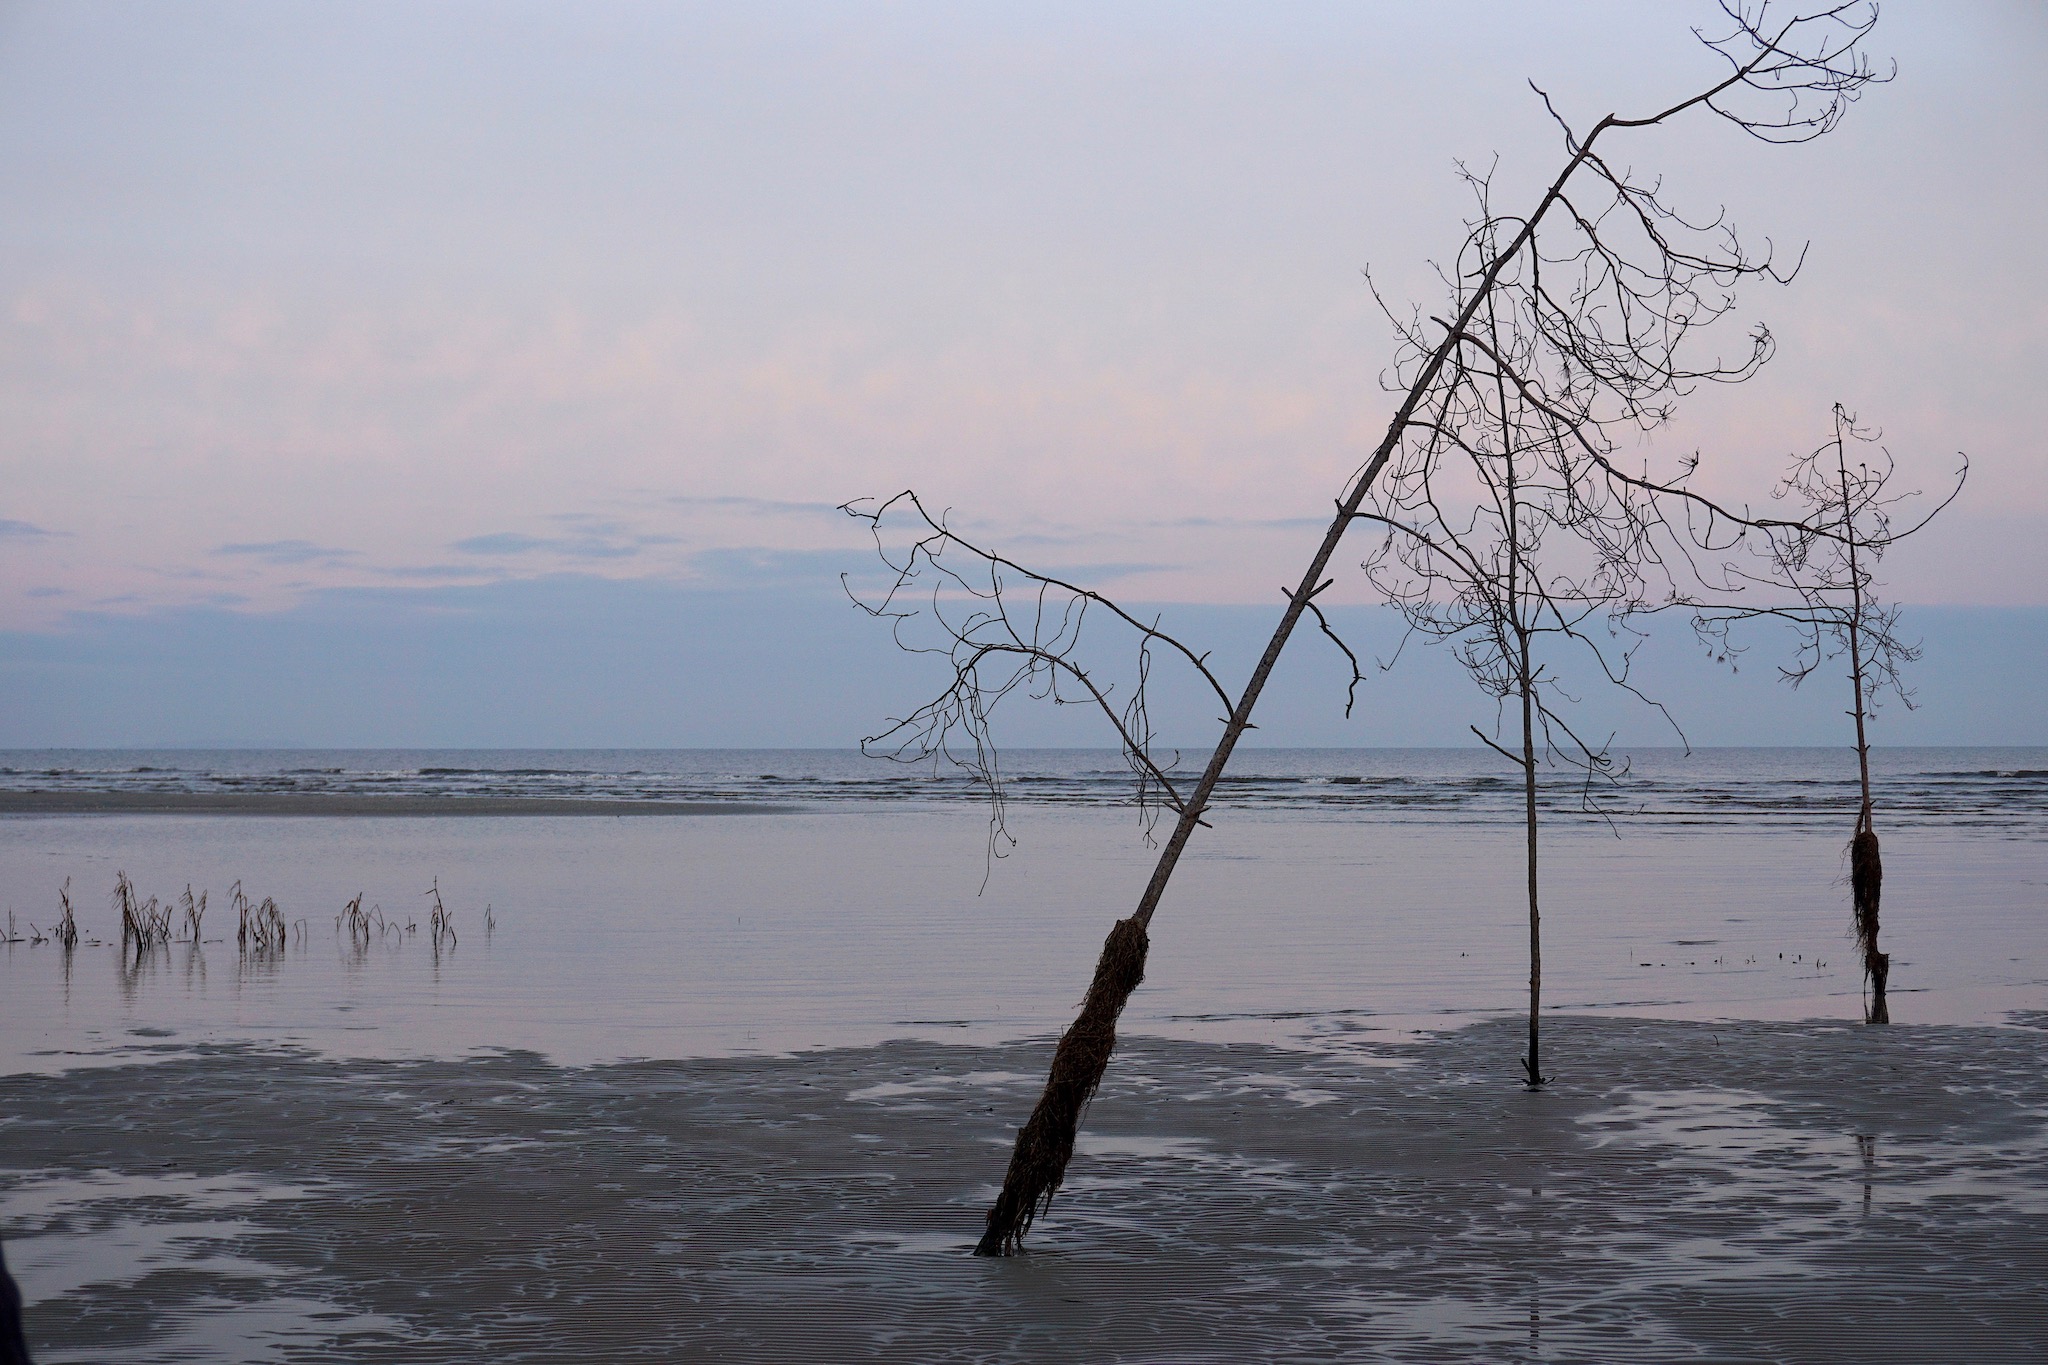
2005,788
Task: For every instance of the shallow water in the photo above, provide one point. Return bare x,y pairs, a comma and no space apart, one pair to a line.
681,937
1305,1149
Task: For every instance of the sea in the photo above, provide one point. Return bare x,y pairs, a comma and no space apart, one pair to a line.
1342,896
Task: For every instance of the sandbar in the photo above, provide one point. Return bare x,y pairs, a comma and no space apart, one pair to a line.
294,803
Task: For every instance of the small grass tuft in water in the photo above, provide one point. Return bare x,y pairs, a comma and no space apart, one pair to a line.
440,922
145,923
195,911
354,922
261,927
66,932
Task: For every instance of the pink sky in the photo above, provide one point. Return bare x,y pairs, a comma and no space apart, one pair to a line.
295,297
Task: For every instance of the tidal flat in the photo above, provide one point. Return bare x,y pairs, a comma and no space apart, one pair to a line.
1685,1191
741,1088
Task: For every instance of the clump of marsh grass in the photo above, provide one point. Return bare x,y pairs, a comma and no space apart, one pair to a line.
195,911
12,935
267,926
355,922
147,923
362,925
66,932
260,927
439,923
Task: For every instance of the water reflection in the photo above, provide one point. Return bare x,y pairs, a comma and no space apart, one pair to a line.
259,964
1536,1277
136,961
1866,1147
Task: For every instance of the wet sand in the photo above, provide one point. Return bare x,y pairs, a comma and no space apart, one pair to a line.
288,803
1725,1192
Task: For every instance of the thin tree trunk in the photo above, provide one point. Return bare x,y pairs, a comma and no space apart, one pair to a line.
1525,680
1533,1063
1866,860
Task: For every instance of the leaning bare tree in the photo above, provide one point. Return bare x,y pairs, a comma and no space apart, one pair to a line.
1005,630
1817,573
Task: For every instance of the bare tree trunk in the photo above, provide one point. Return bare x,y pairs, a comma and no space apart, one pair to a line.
1866,881
1783,63
1533,1063
1038,1162
1826,561
1866,862
1045,1144
1525,685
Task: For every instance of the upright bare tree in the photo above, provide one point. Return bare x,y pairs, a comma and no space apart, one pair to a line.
1637,279
1474,503
1817,573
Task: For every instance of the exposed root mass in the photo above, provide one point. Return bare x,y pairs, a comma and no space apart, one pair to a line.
1866,881
1046,1143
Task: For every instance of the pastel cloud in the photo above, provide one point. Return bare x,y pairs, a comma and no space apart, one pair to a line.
655,310
285,551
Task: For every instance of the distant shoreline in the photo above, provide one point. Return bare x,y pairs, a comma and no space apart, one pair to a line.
293,803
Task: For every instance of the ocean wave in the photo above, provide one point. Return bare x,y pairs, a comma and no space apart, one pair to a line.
1761,785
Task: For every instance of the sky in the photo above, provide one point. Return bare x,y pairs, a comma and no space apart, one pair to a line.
366,324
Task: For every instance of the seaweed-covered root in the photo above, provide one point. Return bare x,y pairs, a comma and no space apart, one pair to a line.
1866,883
1046,1143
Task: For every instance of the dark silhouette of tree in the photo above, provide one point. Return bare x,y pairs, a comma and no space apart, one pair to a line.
13,1344
1504,541
1610,278
1818,574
